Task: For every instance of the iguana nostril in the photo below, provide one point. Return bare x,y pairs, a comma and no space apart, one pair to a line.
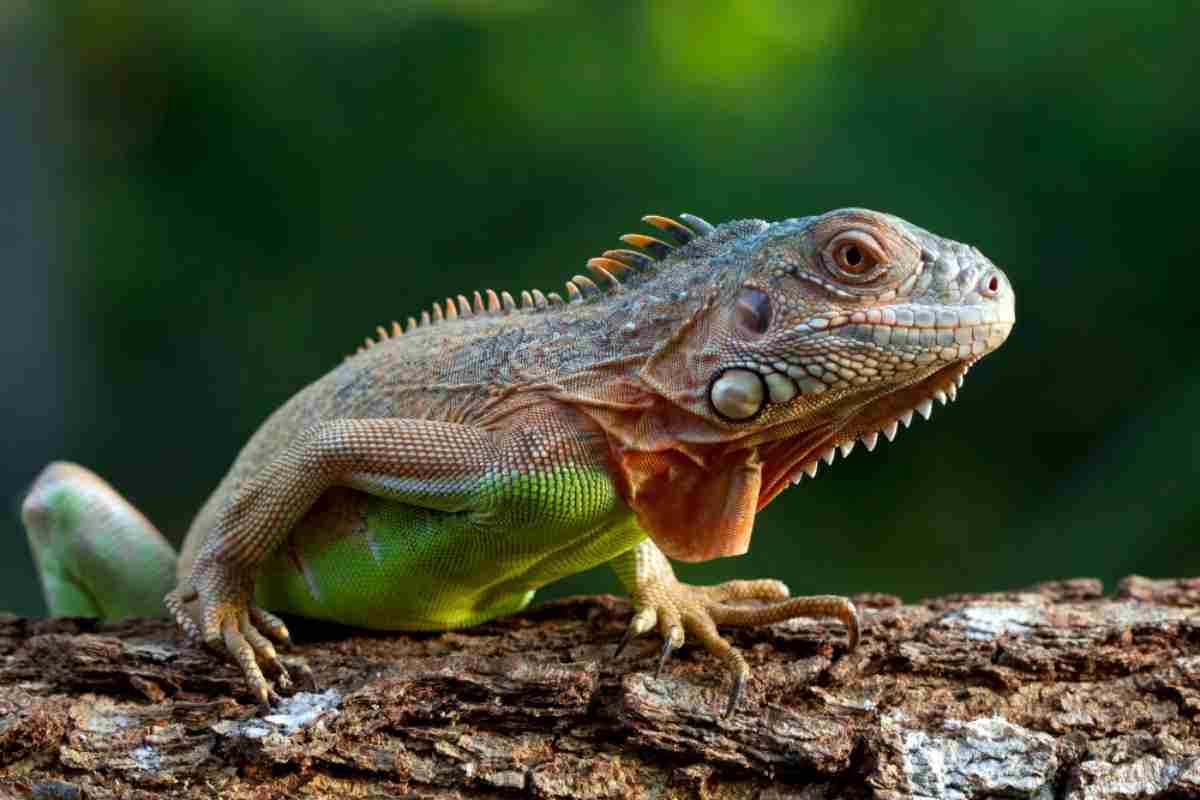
990,285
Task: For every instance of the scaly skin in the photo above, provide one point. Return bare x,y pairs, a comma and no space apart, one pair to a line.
437,478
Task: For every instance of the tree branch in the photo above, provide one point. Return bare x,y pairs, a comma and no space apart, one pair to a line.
1055,692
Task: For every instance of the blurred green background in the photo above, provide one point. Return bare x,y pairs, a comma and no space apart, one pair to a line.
204,206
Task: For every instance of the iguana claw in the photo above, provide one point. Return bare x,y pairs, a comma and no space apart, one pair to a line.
735,694
662,656
625,640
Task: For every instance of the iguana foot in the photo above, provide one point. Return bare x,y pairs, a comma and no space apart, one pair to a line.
675,608
227,624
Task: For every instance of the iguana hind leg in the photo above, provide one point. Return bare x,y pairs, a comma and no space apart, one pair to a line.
96,555
675,607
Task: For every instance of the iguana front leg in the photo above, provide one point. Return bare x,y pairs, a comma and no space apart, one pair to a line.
675,607
436,465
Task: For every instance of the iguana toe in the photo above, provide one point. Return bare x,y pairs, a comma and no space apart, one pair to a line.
642,622
176,602
814,607
272,624
767,590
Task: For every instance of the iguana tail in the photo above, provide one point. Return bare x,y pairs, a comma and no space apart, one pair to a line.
97,555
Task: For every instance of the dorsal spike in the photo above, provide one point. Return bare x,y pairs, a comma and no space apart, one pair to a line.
506,300
368,342
526,300
554,298
630,258
493,302
678,232
438,316
655,247
573,293
396,329
451,309
586,285
700,226
606,278
464,306
539,299
610,266
381,332
480,308
425,320
412,324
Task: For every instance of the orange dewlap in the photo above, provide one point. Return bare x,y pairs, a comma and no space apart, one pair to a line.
692,513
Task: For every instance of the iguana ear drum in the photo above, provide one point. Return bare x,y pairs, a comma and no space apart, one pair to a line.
753,310
737,394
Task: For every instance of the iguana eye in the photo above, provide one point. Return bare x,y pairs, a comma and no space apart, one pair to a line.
855,257
754,310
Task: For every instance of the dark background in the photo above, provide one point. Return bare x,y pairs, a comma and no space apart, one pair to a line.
204,206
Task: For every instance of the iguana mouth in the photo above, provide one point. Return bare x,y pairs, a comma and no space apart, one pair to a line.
789,461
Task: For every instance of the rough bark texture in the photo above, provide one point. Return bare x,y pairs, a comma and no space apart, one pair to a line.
1057,691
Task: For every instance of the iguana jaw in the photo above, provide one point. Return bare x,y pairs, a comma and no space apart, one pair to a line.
788,460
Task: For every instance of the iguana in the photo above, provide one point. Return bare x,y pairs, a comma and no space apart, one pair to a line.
441,475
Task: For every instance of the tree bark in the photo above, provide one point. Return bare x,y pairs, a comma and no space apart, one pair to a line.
1059,691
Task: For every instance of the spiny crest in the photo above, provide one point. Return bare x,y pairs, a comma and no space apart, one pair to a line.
609,273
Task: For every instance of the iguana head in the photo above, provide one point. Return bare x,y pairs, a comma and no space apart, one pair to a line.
814,334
